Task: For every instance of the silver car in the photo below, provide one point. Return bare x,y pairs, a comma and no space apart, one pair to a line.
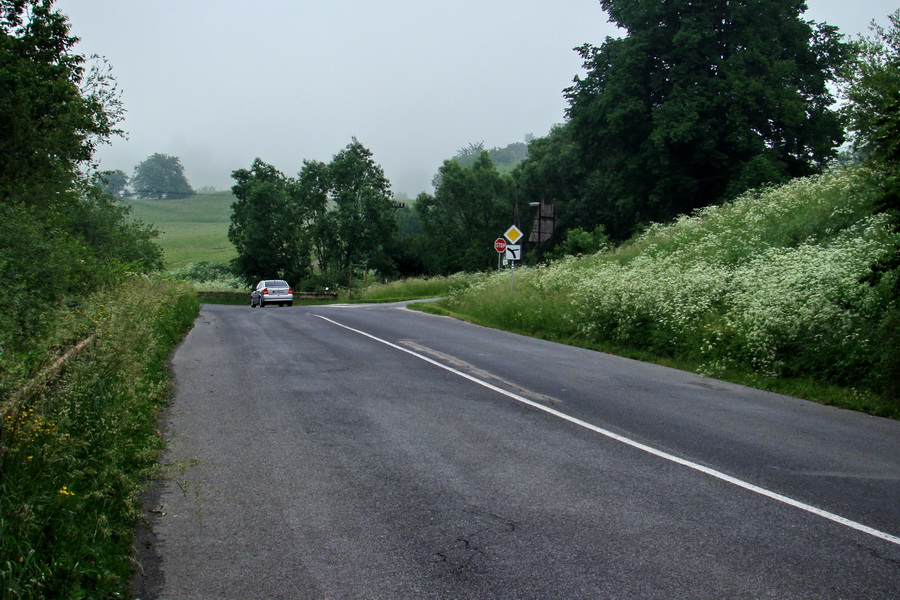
272,291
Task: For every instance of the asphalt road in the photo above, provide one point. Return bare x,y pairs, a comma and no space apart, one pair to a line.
376,452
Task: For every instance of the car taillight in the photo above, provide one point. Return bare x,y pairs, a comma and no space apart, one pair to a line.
290,290
265,291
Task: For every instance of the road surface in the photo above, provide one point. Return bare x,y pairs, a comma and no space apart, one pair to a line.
376,452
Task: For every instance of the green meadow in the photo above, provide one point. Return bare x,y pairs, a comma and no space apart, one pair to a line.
192,229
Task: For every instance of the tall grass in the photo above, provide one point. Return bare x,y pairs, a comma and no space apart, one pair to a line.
76,451
417,288
767,286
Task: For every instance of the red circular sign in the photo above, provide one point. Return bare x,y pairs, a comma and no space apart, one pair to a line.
500,245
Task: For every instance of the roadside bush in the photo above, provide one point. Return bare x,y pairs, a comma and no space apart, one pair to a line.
75,453
49,265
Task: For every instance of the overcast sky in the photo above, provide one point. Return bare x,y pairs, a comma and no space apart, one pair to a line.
221,82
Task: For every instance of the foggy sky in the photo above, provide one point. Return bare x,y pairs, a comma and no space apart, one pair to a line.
221,82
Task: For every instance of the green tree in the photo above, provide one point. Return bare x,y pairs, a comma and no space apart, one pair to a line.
471,206
872,89
700,101
411,248
160,176
265,228
505,159
578,242
554,172
873,92
313,188
359,224
49,127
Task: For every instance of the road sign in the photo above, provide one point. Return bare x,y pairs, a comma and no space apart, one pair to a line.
500,245
513,252
513,234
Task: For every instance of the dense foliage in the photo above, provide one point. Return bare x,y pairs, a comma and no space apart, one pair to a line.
354,231
693,105
471,206
52,114
873,112
699,102
78,433
264,225
873,91
505,159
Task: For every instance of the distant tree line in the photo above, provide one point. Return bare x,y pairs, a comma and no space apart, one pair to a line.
505,159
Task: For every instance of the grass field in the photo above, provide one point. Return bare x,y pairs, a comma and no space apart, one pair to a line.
192,229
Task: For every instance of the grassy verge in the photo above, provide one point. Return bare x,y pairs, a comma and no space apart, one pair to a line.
76,452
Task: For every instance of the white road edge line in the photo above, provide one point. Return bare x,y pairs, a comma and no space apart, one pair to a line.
649,449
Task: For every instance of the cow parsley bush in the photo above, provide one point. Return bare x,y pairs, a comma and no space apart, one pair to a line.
771,282
209,277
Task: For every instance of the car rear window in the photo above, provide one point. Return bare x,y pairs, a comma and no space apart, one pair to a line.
277,283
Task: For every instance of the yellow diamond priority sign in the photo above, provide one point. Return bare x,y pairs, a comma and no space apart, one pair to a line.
513,234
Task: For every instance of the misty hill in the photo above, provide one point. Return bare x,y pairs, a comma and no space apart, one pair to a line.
505,159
